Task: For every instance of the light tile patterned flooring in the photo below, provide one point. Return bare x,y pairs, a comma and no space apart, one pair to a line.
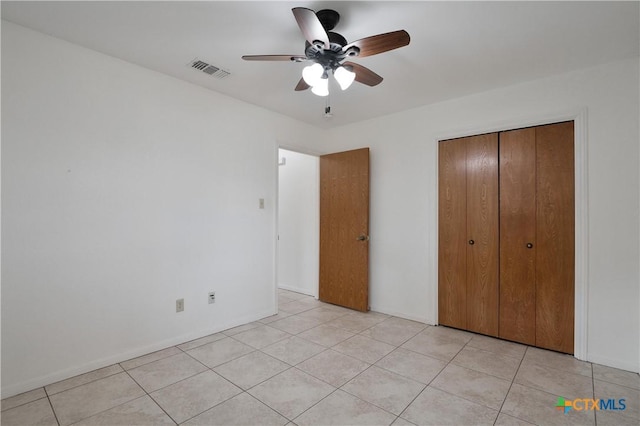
319,364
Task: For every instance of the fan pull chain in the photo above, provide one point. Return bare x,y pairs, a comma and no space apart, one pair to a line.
327,107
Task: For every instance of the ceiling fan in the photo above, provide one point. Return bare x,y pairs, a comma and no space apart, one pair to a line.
328,51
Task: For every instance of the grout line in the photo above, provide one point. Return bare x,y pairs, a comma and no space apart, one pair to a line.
374,364
82,384
259,349
205,365
28,402
613,383
513,380
439,373
368,402
266,405
412,401
242,390
53,410
259,383
377,406
475,348
323,380
393,344
325,349
100,412
206,343
330,393
210,408
402,375
150,397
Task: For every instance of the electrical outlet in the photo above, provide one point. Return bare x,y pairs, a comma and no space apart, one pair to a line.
179,305
212,297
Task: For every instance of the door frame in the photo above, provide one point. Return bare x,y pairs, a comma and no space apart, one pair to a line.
581,220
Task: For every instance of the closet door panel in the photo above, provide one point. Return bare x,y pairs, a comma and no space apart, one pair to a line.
555,274
518,235
482,234
452,233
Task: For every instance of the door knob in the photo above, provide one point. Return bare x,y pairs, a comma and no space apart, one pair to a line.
529,245
471,242
363,238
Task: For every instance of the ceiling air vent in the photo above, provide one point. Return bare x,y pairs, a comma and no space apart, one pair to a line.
208,68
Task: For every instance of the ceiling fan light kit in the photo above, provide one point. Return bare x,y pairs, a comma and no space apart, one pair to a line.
328,50
321,87
344,77
317,77
312,74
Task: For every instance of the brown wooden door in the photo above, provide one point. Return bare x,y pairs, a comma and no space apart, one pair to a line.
537,236
482,234
344,229
468,233
555,253
452,233
518,235
506,235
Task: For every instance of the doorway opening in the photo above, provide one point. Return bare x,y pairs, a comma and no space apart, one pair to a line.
298,222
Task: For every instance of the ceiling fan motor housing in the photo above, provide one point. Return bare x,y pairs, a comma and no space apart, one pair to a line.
329,58
328,18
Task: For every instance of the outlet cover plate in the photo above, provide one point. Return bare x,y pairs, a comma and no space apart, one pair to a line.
212,297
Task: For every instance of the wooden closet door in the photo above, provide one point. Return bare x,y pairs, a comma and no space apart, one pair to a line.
555,272
482,234
518,235
452,233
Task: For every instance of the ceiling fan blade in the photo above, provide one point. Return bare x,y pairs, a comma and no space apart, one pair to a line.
302,85
290,58
310,26
380,43
364,75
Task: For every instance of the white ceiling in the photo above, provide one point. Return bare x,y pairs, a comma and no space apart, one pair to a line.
456,49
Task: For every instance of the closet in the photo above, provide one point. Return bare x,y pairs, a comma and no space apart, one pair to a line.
506,235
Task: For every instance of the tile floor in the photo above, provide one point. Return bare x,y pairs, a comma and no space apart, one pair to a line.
319,364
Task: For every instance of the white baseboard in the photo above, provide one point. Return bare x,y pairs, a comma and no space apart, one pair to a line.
297,289
615,363
57,376
391,312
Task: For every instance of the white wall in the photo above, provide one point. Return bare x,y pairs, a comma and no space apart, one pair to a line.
122,191
298,222
404,194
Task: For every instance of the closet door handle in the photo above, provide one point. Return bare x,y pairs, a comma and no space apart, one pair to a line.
471,242
529,245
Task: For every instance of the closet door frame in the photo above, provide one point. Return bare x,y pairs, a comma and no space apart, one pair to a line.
579,118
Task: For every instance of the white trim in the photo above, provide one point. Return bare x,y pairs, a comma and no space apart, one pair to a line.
297,290
579,117
434,240
316,220
47,379
611,362
276,204
581,224
397,314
